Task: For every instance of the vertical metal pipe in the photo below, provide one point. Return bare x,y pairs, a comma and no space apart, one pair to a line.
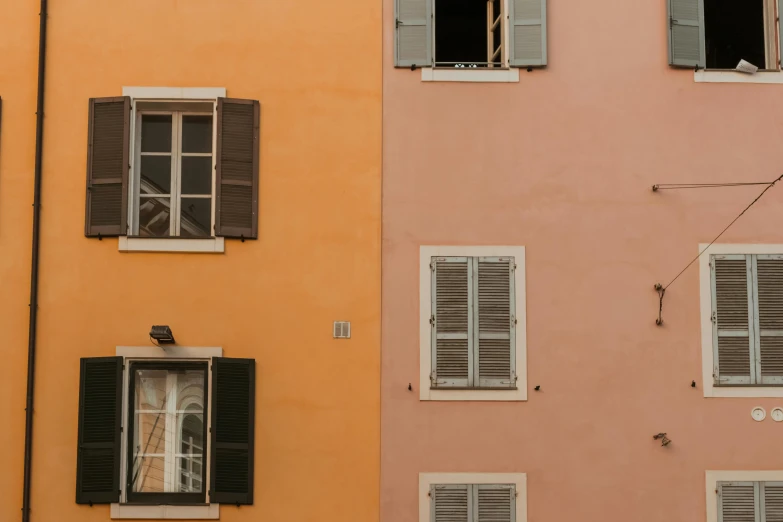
31,335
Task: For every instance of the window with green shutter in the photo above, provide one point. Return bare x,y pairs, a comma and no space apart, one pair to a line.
750,501
747,319
472,503
473,322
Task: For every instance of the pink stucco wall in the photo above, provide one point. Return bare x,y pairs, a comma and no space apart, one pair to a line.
562,163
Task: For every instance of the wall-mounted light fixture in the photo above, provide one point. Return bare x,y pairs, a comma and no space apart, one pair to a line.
162,334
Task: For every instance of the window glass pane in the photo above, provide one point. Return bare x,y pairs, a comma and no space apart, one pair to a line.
168,430
196,133
154,217
156,133
197,175
196,218
155,175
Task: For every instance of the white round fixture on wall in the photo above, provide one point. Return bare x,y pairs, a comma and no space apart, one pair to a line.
776,414
758,413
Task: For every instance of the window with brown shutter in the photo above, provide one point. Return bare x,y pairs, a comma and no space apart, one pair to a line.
163,168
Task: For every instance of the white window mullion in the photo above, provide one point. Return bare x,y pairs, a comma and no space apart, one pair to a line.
176,181
170,467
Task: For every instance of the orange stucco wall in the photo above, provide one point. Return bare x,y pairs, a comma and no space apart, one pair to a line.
317,258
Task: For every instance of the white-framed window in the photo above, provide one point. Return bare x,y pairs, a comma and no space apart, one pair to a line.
472,497
173,183
753,496
742,320
472,326
467,34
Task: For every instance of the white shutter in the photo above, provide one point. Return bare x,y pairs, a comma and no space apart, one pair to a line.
738,502
733,338
494,503
450,503
494,320
527,33
686,33
769,318
451,322
413,33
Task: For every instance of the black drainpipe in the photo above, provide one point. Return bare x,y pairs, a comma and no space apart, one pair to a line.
39,116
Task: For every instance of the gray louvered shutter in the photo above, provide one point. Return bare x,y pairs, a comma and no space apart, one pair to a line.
733,346
738,502
236,168
769,322
450,503
686,33
413,34
100,431
494,322
452,322
494,503
527,33
108,163
771,502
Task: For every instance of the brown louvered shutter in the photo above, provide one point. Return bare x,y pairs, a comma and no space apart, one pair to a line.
732,335
108,141
237,168
98,452
450,503
495,318
233,430
738,502
494,503
772,501
452,322
769,300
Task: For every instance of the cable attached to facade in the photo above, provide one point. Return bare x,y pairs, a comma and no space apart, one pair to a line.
678,186
661,289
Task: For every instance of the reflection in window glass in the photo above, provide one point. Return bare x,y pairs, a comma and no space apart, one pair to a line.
168,430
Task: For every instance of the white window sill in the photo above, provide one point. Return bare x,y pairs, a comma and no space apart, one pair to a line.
129,511
430,394
703,76
467,74
744,391
212,245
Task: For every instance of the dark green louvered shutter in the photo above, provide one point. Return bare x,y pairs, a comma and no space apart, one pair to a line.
236,168
100,431
233,430
732,320
108,165
686,33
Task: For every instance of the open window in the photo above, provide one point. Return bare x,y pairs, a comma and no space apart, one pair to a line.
470,33
718,34
737,31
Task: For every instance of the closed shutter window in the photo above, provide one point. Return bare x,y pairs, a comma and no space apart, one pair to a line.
473,322
472,503
747,317
750,501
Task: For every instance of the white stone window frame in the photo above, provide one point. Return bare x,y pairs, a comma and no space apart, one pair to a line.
705,307
122,510
167,244
426,253
713,477
428,479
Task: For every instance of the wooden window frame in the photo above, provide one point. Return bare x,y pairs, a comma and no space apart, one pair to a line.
167,497
175,196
